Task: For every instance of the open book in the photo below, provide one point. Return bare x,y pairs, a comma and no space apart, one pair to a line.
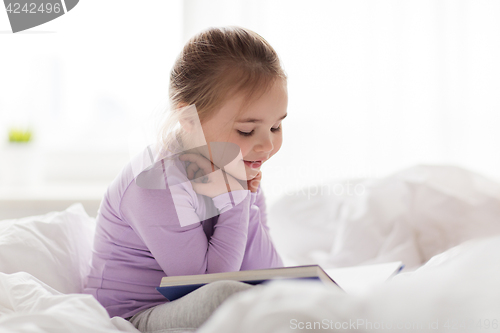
174,287
358,279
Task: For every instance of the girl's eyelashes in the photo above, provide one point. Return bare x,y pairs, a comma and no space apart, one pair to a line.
245,133
277,129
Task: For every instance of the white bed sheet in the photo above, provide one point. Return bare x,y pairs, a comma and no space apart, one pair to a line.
29,305
410,216
43,262
456,291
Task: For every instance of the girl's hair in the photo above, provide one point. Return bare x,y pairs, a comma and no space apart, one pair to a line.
213,65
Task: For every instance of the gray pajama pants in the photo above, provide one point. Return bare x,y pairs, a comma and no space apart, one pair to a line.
189,312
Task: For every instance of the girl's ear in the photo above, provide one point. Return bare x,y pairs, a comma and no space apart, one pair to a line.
191,128
187,125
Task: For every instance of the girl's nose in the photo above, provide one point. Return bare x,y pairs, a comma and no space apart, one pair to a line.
265,145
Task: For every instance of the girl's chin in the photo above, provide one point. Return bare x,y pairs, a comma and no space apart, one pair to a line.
242,172
249,175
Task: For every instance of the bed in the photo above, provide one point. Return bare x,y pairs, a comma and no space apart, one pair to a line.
442,221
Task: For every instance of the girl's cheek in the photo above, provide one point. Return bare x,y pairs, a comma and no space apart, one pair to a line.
279,143
277,146
243,148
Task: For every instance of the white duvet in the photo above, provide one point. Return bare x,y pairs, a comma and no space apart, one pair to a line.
29,305
411,216
457,291
43,260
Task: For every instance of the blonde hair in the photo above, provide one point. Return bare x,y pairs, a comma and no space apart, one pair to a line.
213,65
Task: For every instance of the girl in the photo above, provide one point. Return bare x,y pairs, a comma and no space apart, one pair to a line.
197,215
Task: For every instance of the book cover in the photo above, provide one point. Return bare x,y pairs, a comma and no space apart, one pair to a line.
174,287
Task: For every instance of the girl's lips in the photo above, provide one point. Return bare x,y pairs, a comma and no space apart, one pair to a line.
253,164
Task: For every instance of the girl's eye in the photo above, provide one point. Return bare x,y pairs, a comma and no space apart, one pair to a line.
246,133
277,129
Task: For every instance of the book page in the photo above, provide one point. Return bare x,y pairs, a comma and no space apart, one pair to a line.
359,279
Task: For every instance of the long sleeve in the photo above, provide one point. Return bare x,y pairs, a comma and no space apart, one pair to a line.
140,238
185,250
260,251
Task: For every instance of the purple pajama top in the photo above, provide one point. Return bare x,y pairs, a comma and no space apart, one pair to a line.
139,237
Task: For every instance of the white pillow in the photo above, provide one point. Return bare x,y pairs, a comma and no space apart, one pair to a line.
408,216
56,247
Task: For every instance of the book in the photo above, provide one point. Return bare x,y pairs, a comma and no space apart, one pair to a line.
174,287
358,279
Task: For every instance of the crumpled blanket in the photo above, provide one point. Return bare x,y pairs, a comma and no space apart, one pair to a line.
456,291
29,305
409,216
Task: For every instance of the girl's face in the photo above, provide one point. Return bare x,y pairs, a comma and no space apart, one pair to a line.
257,130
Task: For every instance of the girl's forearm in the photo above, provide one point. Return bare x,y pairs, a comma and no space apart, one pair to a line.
226,247
260,251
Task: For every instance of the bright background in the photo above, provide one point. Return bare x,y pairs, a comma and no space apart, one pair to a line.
374,87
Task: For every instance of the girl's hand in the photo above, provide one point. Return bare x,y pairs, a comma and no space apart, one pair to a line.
253,184
207,179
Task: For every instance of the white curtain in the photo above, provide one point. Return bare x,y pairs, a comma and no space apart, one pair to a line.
376,86
87,73
83,83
